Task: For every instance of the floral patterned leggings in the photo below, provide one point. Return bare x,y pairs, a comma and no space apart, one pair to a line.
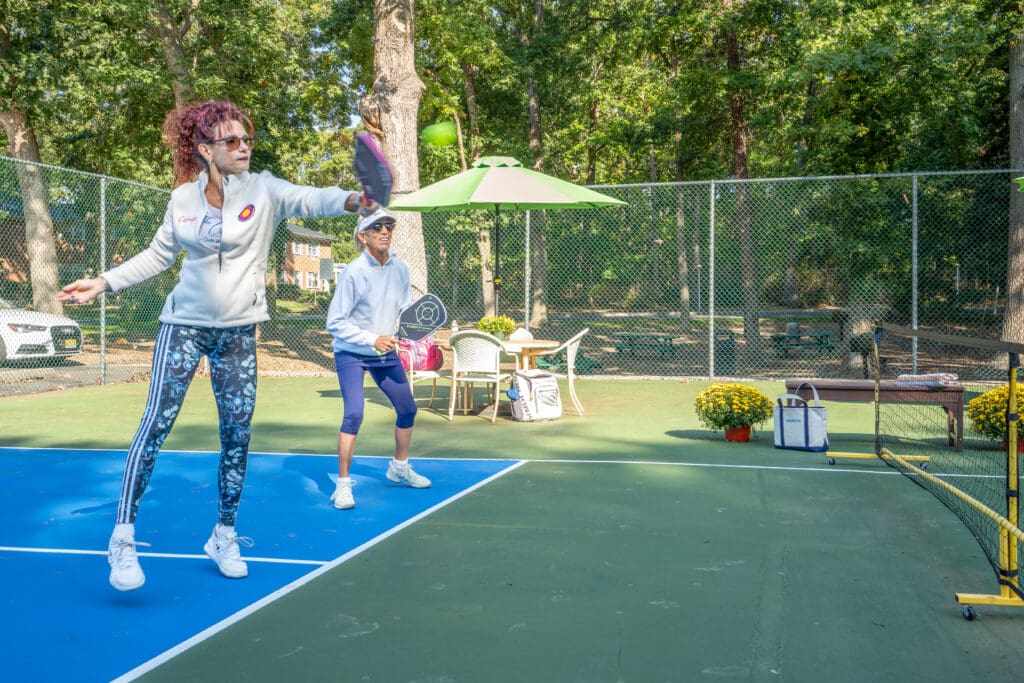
179,348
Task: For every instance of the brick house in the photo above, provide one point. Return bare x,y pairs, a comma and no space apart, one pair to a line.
307,259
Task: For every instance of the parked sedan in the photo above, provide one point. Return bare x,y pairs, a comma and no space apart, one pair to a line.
31,334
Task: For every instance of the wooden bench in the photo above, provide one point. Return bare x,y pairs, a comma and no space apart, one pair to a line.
950,398
632,342
782,344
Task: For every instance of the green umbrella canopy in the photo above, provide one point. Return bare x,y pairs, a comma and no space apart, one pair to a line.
501,183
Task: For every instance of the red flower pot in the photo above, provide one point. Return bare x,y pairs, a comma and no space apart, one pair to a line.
737,433
1020,443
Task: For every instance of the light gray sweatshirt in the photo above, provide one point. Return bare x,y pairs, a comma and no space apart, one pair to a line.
225,287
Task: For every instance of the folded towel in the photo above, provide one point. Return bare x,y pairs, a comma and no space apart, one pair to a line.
946,379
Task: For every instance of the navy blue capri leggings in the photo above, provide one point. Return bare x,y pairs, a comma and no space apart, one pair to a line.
387,373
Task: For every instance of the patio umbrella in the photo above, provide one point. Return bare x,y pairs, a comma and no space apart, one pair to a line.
500,183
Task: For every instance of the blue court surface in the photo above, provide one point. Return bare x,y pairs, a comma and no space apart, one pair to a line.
63,621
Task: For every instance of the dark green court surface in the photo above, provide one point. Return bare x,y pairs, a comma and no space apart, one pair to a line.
634,546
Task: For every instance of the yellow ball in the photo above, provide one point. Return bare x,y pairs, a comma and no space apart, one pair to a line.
440,134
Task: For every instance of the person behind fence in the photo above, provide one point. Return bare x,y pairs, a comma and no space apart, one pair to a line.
224,218
370,294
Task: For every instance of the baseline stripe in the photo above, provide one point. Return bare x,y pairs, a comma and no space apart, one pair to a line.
716,465
175,556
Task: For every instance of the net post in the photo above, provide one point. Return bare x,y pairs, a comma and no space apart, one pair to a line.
877,358
1010,545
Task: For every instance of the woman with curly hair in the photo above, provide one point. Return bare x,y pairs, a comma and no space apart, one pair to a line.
224,218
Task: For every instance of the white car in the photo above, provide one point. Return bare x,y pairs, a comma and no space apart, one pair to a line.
31,334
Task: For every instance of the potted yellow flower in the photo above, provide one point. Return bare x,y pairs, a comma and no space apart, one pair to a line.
733,407
987,413
499,325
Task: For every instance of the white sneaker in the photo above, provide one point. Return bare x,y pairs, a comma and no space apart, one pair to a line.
402,471
223,549
342,495
125,572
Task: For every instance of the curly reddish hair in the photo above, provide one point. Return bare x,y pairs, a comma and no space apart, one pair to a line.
190,125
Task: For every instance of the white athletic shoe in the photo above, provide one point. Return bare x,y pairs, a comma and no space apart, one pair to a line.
402,471
342,495
125,572
223,549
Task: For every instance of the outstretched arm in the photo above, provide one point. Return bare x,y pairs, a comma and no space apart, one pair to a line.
82,291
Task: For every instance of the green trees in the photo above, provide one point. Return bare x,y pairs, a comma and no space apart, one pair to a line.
631,91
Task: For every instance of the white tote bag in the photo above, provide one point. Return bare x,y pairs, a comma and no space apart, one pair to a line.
799,425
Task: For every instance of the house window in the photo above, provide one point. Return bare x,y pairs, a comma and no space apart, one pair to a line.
297,248
310,280
297,279
312,250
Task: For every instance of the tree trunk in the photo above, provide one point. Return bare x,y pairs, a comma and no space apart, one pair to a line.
584,260
539,269
538,237
165,31
43,268
472,123
483,248
538,226
1013,318
790,292
389,112
682,265
483,230
738,127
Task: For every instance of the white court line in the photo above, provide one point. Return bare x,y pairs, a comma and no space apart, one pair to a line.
175,556
301,581
717,465
567,461
181,451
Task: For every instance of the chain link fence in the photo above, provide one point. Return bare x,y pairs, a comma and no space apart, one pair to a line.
756,279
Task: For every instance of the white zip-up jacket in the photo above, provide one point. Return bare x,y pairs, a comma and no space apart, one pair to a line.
225,287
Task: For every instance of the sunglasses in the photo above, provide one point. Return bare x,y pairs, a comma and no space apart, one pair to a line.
231,142
390,227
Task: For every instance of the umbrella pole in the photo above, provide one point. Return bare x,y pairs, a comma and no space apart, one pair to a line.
497,260
527,273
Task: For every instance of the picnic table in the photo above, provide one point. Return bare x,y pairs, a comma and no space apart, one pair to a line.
783,343
633,342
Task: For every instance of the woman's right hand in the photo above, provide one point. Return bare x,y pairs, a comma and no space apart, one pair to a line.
385,344
82,291
367,206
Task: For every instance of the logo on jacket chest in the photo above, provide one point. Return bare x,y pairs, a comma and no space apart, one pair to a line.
187,219
247,213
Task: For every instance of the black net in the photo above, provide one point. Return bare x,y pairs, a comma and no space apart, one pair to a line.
947,400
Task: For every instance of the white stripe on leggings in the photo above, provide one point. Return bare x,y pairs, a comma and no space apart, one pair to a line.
131,465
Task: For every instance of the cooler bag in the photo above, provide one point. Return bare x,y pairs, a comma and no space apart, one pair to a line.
535,396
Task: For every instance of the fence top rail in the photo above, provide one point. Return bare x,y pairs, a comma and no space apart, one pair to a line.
973,342
858,176
671,183
83,173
